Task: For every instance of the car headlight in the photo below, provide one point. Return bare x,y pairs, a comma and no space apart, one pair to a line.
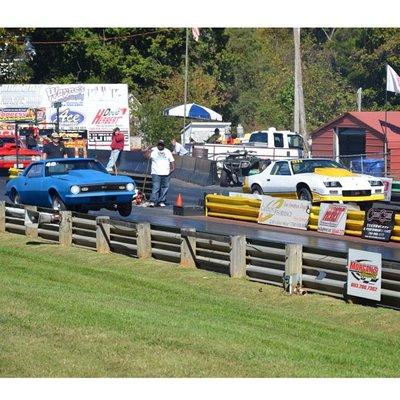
332,184
75,189
376,183
130,187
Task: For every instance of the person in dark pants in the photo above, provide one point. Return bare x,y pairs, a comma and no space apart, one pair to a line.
54,149
162,165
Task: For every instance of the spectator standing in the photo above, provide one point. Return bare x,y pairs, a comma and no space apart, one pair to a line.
178,148
162,165
117,145
31,142
54,149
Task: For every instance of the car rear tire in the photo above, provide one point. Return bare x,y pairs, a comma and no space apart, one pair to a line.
256,189
224,179
16,199
57,204
125,209
304,194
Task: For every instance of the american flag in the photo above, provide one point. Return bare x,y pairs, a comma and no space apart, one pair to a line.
196,34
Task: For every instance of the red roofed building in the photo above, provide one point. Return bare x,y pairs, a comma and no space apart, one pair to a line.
360,132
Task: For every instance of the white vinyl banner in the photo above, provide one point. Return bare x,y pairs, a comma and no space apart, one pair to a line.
332,218
96,108
364,274
284,212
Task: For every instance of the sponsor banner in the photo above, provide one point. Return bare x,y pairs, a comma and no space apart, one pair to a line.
332,218
101,140
68,95
284,212
69,119
108,118
111,93
21,114
364,274
16,96
387,182
379,223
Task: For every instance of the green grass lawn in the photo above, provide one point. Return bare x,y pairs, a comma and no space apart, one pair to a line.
76,313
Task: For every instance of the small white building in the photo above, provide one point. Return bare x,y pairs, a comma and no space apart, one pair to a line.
199,132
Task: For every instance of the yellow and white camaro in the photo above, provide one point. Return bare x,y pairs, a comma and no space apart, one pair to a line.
315,180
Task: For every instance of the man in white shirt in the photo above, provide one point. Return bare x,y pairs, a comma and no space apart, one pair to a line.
162,165
178,148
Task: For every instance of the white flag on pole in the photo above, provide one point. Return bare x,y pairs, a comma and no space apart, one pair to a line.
392,80
196,34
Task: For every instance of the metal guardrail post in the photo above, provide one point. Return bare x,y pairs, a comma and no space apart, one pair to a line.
293,267
65,228
143,240
188,249
237,265
31,228
2,216
102,235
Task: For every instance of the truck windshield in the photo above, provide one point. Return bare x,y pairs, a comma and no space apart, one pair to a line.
259,137
308,166
64,167
295,142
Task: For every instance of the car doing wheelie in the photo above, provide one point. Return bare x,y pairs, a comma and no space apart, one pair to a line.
79,184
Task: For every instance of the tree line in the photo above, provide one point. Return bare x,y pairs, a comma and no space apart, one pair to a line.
246,74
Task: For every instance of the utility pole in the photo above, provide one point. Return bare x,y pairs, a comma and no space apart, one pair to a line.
57,105
186,85
299,109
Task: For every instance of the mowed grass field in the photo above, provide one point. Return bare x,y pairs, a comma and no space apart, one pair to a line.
75,313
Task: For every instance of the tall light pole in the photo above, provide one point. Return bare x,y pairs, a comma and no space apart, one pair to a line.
57,105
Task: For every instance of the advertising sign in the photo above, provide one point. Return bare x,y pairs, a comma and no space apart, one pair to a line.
69,119
68,95
387,182
21,114
284,212
15,96
364,271
378,223
332,218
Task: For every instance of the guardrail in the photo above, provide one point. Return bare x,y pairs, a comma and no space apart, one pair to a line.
267,261
247,209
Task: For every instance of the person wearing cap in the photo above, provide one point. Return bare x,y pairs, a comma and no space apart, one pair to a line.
117,145
162,165
54,149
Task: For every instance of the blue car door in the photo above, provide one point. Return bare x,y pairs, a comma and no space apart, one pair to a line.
31,189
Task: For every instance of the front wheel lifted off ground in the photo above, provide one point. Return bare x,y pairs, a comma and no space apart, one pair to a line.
57,204
15,197
124,209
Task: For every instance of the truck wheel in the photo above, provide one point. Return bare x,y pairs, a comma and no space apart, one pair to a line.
256,189
124,209
57,204
224,180
304,194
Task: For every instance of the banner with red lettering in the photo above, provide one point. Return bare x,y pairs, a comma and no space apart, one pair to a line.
364,274
332,218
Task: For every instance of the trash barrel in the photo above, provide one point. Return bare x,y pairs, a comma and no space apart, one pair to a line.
200,152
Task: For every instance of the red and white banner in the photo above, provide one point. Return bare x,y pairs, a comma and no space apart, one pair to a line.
392,80
332,218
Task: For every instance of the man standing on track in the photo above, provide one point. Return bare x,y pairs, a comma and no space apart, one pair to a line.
162,165
117,145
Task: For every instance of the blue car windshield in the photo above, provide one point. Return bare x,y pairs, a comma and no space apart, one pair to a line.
64,167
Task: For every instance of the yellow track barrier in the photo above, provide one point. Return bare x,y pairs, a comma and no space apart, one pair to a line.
246,209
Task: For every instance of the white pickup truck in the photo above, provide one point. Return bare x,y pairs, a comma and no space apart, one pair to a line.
265,144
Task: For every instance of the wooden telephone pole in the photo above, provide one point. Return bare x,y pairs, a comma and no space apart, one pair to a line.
299,110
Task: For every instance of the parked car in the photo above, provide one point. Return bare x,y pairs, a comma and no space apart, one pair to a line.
79,184
316,180
11,150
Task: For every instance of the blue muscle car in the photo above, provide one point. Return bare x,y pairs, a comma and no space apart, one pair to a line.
78,184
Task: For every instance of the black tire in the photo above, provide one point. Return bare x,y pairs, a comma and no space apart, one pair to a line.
304,194
235,179
125,209
57,204
256,189
16,199
224,180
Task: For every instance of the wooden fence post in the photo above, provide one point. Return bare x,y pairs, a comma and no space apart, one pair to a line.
102,235
293,266
143,240
2,216
65,228
237,265
31,228
188,249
